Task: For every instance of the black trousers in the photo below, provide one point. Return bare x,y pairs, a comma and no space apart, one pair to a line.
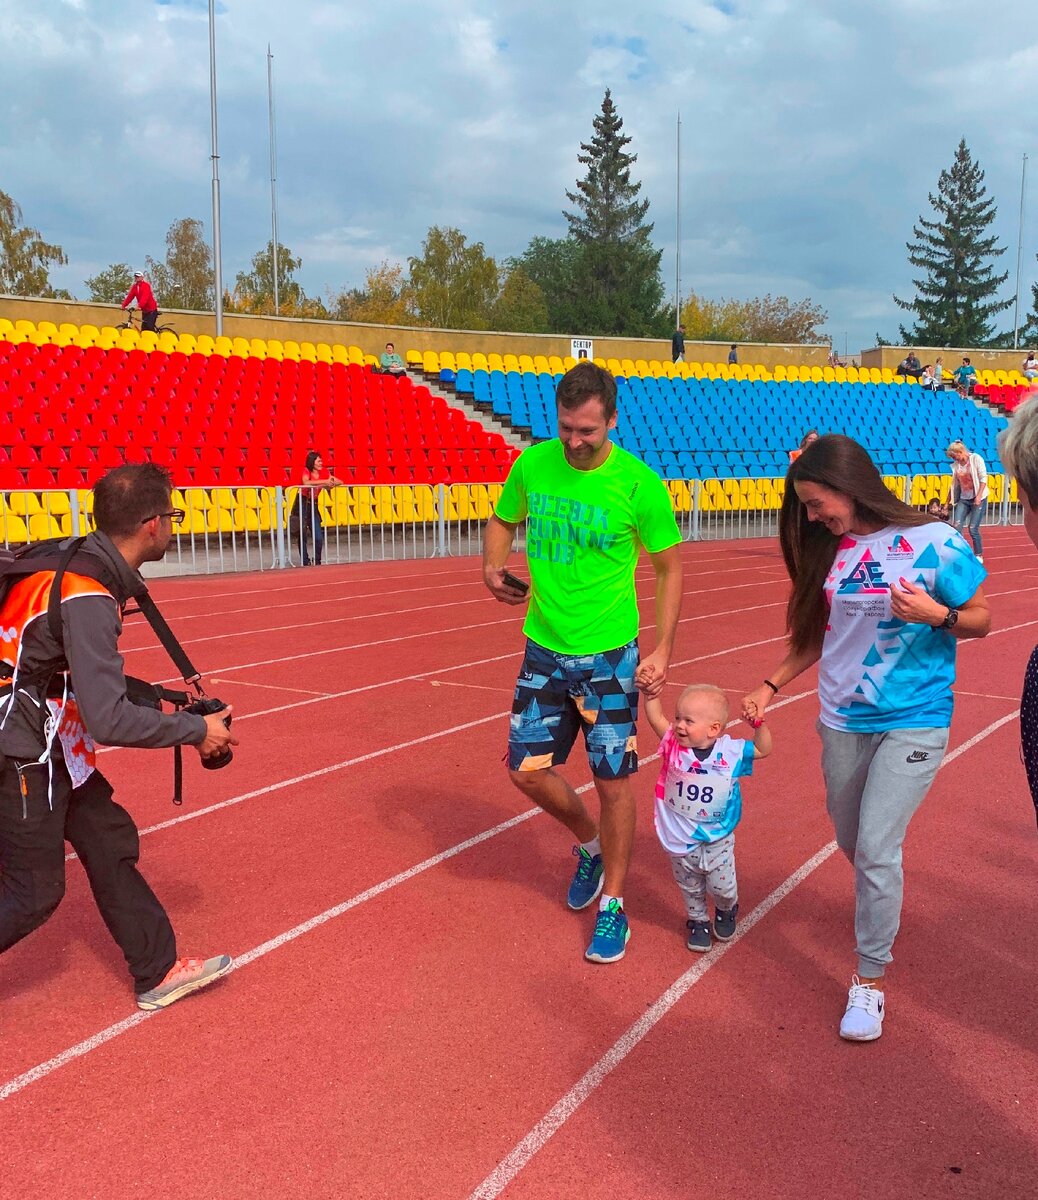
1029,726
32,866
148,319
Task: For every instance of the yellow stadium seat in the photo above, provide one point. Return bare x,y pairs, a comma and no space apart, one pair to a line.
13,530
355,354
240,347
43,526
495,362
510,362
324,352
26,327
290,351
307,352
464,360
480,362
568,363
526,363
340,353
6,327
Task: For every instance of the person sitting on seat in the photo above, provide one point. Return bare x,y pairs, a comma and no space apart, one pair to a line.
909,366
928,378
1029,367
391,363
965,376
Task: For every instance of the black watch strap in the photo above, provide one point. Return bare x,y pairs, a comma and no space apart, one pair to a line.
950,619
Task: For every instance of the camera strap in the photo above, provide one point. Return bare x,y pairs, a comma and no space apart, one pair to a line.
148,608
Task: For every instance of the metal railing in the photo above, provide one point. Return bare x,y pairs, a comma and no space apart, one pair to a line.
259,529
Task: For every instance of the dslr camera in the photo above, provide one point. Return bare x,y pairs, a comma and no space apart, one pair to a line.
206,706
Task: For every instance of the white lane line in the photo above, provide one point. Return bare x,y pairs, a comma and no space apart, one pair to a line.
20,1082
321,771
276,687
987,696
327,621
472,580
437,633
480,687
510,1166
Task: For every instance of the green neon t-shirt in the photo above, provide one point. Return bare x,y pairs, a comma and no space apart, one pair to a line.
584,532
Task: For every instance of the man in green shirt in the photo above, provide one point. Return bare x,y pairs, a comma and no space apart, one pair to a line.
589,508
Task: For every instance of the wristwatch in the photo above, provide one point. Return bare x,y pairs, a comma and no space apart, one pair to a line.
950,619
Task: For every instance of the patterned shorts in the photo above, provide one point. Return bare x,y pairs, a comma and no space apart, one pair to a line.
558,695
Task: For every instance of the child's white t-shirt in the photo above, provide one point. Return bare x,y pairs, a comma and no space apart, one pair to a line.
877,672
699,801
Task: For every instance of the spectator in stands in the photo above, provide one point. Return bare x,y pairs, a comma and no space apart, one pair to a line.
805,441
848,544
733,355
968,492
677,344
145,298
1018,449
909,366
834,359
936,509
588,507
938,373
965,376
391,363
308,514
927,378
1029,367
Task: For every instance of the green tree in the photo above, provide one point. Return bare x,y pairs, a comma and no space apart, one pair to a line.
520,307
955,300
454,285
552,264
110,285
186,279
25,257
254,290
385,298
1029,326
616,287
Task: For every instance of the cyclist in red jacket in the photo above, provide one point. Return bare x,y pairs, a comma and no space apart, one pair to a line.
145,297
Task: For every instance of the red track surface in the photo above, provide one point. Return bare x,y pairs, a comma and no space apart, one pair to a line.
406,1045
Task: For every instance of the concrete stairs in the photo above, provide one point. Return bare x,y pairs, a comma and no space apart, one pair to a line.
514,437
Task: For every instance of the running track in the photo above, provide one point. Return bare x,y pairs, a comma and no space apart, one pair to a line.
411,1014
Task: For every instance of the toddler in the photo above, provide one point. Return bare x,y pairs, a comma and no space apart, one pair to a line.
698,804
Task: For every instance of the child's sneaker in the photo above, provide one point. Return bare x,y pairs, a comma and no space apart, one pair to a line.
612,933
699,936
863,1020
185,976
724,923
587,880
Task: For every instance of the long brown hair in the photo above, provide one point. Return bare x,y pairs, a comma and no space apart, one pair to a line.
839,463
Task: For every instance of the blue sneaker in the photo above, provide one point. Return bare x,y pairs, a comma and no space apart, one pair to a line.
587,881
612,933
725,921
699,938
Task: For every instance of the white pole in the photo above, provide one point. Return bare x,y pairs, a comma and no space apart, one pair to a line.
677,237
217,264
1019,247
273,176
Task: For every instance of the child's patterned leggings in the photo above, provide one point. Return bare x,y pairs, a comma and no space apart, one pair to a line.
707,869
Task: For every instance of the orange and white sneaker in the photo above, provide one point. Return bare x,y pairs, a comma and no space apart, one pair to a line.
185,976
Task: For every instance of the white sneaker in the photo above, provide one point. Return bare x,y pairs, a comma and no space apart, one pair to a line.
863,1020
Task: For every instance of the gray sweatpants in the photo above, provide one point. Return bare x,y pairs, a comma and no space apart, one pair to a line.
874,782
708,869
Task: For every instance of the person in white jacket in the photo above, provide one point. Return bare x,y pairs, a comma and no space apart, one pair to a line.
968,493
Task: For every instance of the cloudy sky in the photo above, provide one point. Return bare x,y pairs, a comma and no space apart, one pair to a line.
811,131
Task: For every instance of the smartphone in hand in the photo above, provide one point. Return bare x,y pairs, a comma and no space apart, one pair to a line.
514,582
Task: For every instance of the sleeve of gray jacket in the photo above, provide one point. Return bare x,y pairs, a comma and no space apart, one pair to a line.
90,628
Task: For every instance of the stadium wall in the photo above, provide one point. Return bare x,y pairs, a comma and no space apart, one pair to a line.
983,360
372,338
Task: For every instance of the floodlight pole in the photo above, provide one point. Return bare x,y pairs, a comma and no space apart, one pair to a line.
273,176
1019,248
217,266
677,236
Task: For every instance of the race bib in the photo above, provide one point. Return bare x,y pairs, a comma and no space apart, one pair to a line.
703,798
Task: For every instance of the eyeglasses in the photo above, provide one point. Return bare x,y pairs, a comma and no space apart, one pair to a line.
176,515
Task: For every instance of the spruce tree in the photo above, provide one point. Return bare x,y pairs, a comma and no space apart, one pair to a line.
955,298
615,286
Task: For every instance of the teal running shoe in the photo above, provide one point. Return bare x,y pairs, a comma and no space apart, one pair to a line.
612,933
587,880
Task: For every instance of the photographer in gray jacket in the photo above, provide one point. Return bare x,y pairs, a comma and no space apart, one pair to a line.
56,701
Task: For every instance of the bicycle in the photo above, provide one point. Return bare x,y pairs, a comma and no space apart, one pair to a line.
130,323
